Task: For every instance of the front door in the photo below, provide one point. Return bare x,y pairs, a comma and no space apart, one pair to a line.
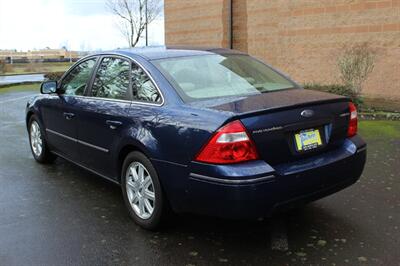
60,110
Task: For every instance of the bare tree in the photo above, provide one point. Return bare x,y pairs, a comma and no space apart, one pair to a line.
132,14
2,66
355,64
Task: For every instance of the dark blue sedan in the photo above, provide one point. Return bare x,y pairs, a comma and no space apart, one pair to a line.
209,131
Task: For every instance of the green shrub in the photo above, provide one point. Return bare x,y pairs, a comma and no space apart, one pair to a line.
337,89
53,75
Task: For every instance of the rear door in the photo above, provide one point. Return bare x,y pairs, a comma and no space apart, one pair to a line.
102,114
60,110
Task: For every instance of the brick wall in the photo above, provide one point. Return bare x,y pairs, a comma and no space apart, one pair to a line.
302,38
196,22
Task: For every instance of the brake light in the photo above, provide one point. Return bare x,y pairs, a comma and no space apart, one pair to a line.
352,129
230,144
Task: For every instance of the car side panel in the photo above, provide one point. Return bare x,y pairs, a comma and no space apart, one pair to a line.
170,137
170,134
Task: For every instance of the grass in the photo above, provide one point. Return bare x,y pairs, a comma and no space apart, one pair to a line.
380,129
30,68
20,87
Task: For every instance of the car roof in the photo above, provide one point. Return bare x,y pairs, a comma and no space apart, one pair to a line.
162,52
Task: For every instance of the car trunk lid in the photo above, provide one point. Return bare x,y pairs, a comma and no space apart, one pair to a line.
273,120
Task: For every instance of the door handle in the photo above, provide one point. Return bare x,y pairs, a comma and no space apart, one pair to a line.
113,124
69,116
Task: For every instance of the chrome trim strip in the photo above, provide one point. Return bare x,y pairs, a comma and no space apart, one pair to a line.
113,100
77,140
88,169
100,98
169,162
344,114
362,149
61,135
231,181
92,146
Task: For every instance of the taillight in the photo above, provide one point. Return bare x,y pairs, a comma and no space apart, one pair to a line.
230,144
352,129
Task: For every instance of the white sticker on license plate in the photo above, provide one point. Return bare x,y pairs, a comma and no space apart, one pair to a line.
308,139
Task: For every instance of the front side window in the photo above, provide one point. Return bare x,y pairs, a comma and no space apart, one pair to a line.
112,79
212,76
143,88
76,81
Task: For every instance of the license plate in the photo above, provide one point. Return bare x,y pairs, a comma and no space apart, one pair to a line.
308,139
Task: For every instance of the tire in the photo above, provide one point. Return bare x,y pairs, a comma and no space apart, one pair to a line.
37,142
136,190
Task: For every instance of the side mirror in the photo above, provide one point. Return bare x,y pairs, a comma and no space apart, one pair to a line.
48,87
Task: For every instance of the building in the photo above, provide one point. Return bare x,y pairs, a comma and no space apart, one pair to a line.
38,55
303,38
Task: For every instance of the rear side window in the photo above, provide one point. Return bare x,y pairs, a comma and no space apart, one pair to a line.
76,80
143,89
112,79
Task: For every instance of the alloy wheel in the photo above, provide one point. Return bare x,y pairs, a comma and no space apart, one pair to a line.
36,139
140,190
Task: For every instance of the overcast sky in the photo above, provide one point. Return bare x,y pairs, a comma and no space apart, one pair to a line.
76,24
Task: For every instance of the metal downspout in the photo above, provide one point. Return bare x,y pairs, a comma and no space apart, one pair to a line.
230,23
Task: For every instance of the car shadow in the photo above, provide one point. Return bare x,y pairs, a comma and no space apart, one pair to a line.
200,238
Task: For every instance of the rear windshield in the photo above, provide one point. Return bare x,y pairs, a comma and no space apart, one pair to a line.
213,76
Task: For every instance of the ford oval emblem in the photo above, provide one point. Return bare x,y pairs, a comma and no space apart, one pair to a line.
307,113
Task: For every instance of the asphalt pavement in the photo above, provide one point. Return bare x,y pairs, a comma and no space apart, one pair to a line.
60,214
11,79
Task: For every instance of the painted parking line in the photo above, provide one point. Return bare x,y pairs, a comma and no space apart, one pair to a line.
15,99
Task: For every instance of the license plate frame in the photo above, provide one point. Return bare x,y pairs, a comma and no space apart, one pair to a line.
308,140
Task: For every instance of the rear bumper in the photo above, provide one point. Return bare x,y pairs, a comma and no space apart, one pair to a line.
255,189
